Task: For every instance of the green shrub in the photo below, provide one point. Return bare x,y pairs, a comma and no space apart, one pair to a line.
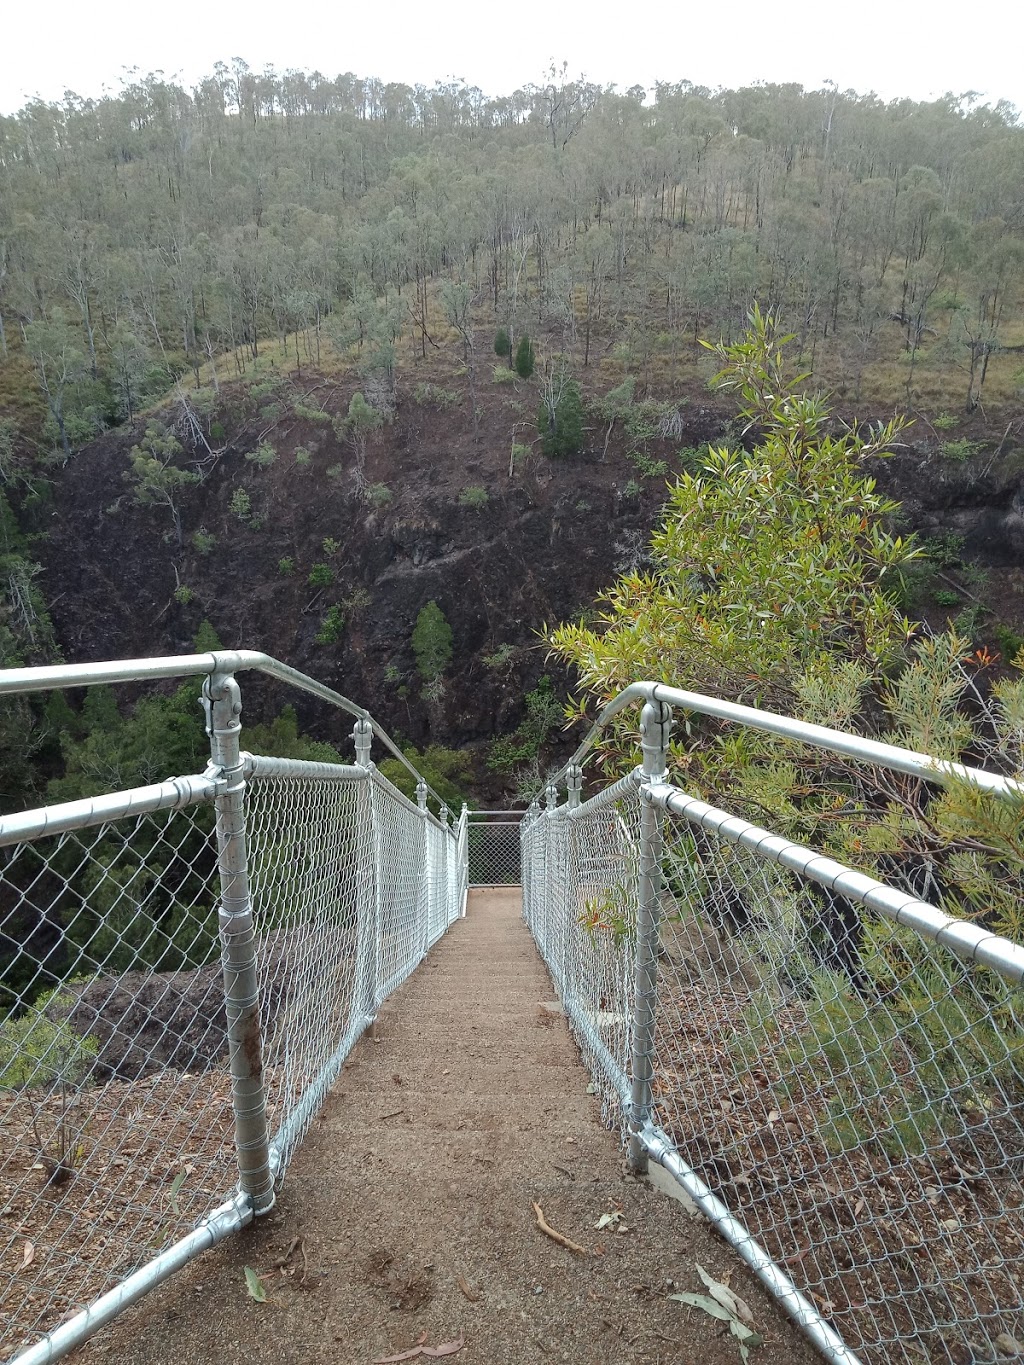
285,566
692,458
358,600
525,358
432,641
207,640
503,375
473,497
946,549
321,576
1010,643
330,546
543,713
965,622
960,450
34,1051
502,344
434,396
501,658
241,505
336,472
945,422
650,469
183,594
560,419
203,542
332,627
308,413
632,489
447,771
379,496
946,597
302,457
263,456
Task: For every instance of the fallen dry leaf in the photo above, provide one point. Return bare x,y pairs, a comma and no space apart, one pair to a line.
28,1255
473,1295
447,1348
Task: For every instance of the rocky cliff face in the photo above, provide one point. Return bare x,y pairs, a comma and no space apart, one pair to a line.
442,519
500,559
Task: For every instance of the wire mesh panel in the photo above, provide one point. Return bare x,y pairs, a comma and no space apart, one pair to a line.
311,877
853,1092
402,876
579,900
494,854
114,1100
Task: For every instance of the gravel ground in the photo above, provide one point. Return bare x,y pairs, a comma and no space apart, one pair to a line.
407,1216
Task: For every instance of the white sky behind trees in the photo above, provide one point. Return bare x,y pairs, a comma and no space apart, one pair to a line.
914,48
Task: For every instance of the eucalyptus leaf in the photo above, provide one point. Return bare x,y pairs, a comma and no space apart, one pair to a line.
254,1285
708,1304
727,1298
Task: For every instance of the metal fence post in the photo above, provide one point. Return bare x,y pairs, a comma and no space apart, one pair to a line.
655,728
427,895
369,943
222,701
464,862
574,784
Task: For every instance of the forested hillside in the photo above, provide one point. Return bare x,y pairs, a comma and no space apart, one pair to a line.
148,232
357,339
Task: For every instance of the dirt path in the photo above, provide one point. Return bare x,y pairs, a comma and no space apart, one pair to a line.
413,1196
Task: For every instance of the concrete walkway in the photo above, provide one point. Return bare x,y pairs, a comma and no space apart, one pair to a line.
413,1198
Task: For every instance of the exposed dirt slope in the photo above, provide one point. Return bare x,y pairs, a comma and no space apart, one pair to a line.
413,1197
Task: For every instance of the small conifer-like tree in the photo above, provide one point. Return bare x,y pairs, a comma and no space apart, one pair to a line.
502,344
525,358
432,642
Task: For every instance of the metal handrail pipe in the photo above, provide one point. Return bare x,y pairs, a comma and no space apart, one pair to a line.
54,676
257,768
224,1221
474,813
175,794
610,796
890,756
966,940
403,800
769,1272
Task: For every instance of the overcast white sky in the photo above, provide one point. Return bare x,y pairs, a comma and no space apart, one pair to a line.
917,48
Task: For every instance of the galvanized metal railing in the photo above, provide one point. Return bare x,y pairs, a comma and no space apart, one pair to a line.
829,1066
191,964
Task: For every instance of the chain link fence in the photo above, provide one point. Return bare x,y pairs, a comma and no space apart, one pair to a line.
115,1110
579,894
116,1099
493,842
835,1065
